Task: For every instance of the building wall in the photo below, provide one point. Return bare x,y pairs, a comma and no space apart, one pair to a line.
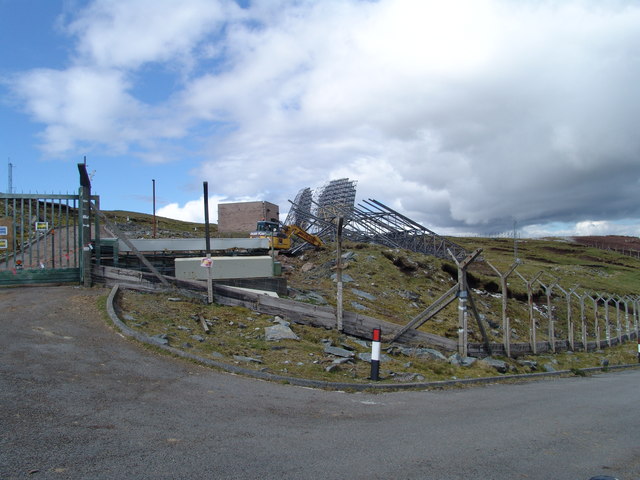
243,216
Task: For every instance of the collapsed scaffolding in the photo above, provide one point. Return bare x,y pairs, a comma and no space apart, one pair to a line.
369,222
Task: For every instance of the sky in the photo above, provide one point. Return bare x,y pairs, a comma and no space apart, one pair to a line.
465,115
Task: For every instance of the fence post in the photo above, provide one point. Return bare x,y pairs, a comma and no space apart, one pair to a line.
583,325
532,320
506,327
607,325
548,290
634,315
568,294
596,319
627,325
617,300
462,299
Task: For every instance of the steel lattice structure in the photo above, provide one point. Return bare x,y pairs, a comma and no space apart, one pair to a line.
369,222
301,214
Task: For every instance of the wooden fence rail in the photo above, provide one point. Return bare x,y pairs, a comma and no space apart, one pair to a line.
354,324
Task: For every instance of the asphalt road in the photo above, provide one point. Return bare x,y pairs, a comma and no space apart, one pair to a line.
78,401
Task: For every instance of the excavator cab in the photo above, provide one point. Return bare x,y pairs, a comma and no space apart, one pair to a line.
267,227
280,236
272,231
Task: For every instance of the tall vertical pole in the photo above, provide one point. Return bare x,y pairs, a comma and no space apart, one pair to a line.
515,240
625,300
153,181
596,320
463,293
617,300
506,328
607,325
85,219
339,275
462,315
10,177
636,315
532,320
205,186
550,318
570,333
583,325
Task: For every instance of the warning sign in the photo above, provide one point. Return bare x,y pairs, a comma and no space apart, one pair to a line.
206,262
4,231
42,226
3,244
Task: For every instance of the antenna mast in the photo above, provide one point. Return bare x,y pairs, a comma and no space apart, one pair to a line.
515,240
10,185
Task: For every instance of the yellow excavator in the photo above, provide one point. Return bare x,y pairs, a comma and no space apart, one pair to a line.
280,236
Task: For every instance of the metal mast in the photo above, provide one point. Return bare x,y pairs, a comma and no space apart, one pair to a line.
10,181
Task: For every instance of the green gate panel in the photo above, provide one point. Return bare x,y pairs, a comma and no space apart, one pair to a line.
31,277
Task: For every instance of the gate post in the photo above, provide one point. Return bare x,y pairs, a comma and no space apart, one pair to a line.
463,292
85,225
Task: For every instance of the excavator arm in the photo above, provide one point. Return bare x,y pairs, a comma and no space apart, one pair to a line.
314,240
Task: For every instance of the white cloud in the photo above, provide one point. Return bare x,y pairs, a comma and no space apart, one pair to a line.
583,228
192,211
78,103
464,114
119,34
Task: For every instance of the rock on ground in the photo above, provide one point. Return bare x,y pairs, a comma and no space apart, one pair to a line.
279,332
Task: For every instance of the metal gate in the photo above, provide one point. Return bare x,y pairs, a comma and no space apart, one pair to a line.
41,238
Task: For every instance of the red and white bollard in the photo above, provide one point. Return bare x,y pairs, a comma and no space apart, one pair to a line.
375,355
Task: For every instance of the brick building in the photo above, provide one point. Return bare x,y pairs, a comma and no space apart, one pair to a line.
243,216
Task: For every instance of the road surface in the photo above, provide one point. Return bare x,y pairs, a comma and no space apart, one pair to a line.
79,401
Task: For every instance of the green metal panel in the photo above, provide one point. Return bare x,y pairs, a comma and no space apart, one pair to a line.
57,248
31,277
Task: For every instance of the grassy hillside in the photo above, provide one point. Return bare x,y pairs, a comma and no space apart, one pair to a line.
140,225
404,283
396,285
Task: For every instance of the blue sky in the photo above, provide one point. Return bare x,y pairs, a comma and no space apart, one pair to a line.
464,115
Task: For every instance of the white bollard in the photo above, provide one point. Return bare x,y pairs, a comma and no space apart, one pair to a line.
375,355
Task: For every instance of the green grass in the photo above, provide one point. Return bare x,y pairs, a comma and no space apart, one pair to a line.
239,331
383,273
404,284
166,227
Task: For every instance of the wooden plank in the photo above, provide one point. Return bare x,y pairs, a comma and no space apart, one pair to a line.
204,325
121,236
429,312
319,316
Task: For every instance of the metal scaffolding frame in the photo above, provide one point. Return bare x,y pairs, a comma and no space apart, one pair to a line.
335,198
369,222
301,214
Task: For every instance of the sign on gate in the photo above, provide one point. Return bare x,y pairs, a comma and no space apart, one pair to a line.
27,242
4,243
